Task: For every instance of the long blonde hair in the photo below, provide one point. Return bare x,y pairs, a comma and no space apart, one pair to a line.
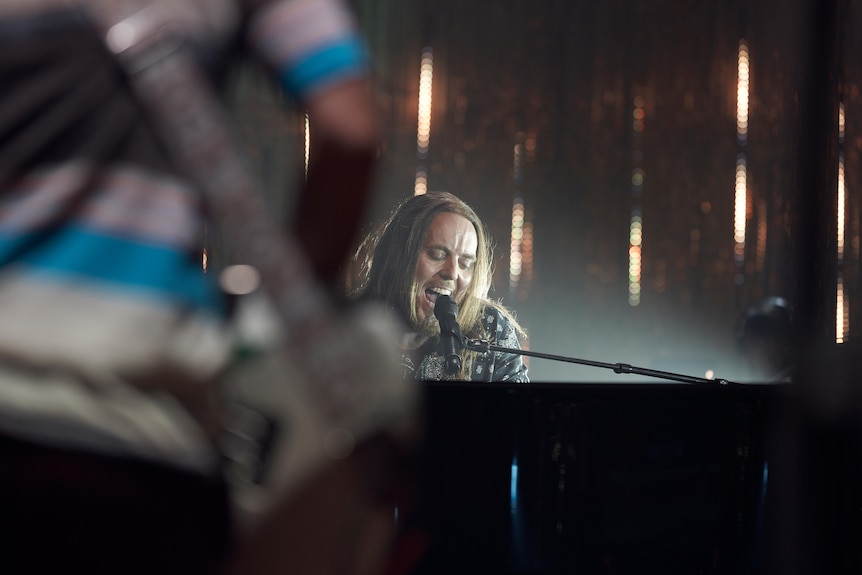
385,263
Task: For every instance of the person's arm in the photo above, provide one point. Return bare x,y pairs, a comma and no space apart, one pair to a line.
344,137
508,367
315,49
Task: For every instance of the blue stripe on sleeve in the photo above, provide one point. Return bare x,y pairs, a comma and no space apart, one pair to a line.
317,69
147,269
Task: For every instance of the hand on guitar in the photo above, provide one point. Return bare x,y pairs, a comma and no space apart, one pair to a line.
337,429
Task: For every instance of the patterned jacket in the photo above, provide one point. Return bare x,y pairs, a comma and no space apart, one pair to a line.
488,366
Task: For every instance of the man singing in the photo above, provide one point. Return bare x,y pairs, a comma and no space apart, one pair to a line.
435,245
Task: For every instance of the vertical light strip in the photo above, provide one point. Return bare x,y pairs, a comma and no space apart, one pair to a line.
307,143
513,486
515,245
521,240
527,243
421,184
426,76
739,204
636,221
635,259
742,92
741,180
527,251
517,235
841,196
423,128
842,307
841,311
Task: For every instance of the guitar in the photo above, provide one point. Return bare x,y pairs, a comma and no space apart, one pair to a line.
322,381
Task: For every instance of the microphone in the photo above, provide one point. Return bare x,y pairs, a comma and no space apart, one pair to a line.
451,340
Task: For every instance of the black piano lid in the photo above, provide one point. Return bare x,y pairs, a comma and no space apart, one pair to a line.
594,478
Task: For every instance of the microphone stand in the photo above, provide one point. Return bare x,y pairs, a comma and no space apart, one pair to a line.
485,346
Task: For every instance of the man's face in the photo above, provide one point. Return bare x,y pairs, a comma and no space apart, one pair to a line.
446,262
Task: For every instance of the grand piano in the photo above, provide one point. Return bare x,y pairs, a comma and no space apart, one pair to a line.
598,478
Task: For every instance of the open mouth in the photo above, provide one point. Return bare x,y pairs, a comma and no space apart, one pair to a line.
432,293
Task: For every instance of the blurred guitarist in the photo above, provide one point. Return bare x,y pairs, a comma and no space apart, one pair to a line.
113,342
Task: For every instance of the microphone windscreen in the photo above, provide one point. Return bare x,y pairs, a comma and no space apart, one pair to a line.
445,307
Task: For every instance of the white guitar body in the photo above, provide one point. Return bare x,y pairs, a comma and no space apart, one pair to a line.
280,427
